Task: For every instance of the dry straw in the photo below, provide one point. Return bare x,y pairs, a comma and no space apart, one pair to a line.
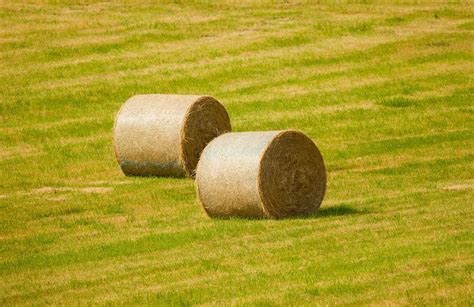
164,135
261,174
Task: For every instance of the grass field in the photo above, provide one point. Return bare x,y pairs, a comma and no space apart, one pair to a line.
385,91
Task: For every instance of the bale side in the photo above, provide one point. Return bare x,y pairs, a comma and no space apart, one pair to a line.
227,173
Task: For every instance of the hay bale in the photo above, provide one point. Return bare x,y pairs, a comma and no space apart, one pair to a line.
164,135
261,174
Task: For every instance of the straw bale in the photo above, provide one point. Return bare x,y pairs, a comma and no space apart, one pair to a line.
272,174
164,135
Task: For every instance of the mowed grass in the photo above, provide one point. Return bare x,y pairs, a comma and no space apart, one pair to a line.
385,91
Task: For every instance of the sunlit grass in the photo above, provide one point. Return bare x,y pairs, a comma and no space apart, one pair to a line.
384,90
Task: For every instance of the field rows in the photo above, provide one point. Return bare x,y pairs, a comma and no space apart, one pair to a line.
384,90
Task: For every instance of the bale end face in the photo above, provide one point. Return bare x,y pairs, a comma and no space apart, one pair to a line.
292,176
205,120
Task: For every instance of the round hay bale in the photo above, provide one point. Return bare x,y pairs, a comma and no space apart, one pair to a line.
273,174
164,135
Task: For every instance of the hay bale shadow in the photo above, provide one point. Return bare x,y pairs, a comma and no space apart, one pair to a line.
337,211
323,212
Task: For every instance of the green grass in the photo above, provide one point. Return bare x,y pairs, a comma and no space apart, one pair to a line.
385,90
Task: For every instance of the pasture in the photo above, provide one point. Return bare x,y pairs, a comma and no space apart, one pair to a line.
385,90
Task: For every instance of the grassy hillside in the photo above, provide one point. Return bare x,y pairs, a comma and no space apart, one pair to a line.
385,91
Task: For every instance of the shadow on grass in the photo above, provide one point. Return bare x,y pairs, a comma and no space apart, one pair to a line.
337,211
323,212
